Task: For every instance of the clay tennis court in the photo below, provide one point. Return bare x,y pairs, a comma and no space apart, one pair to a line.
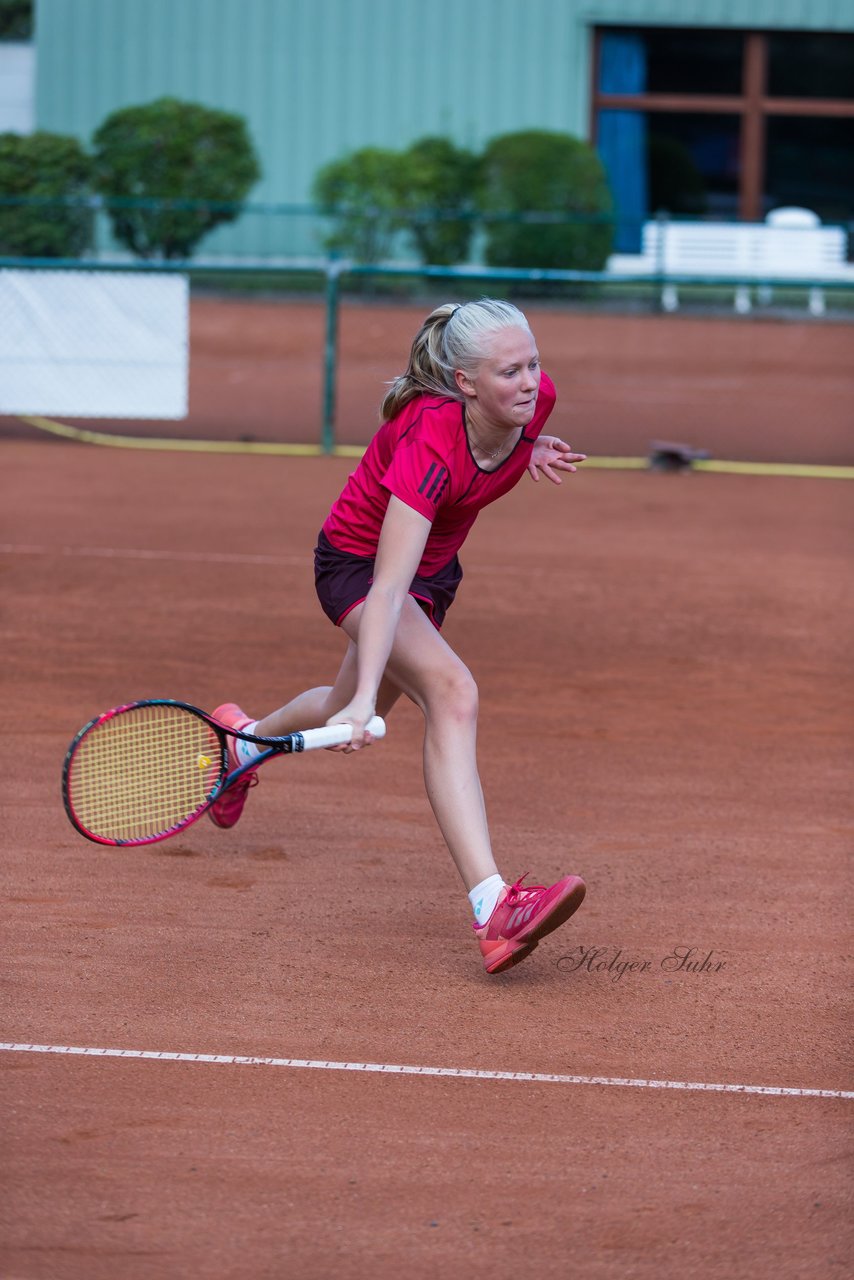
666,710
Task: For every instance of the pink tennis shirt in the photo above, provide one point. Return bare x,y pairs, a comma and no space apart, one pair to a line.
422,456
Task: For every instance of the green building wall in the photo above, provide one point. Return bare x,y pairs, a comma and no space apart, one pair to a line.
318,78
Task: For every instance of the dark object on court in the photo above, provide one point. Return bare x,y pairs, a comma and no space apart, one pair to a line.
668,455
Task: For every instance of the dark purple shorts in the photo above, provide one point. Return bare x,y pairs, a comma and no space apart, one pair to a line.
343,580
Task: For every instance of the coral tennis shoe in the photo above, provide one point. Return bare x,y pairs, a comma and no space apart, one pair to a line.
523,916
226,811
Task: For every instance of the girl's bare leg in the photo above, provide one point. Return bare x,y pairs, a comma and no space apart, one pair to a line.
313,708
425,668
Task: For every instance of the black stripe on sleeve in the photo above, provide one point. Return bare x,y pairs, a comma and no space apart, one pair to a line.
437,488
424,483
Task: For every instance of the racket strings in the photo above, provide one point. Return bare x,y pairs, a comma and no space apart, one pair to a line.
143,772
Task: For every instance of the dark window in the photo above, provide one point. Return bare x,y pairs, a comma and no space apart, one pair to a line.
724,124
675,61
809,162
692,162
806,65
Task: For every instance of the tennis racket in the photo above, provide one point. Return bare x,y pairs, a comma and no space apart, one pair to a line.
145,771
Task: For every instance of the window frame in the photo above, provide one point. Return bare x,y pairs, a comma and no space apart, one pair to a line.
753,105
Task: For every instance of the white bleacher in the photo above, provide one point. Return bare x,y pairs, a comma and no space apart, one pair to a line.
791,244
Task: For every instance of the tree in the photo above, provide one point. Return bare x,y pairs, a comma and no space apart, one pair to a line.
375,193
172,171
546,201
45,211
16,19
363,192
440,187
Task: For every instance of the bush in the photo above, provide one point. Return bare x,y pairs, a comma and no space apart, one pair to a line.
375,193
533,183
45,178
16,19
439,192
364,194
181,153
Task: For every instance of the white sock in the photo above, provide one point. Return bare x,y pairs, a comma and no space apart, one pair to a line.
484,896
246,752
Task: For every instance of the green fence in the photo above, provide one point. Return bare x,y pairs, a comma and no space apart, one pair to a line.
642,282
84,227
331,277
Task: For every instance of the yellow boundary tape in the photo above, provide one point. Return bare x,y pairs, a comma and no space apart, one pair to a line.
188,446
803,470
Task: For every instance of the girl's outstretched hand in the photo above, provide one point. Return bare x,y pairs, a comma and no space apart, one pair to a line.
551,455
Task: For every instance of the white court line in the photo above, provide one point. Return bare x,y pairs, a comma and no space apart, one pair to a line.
461,1073
197,557
131,553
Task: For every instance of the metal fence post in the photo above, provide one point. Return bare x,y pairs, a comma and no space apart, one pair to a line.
330,358
668,298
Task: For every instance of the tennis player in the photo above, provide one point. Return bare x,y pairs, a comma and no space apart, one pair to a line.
460,428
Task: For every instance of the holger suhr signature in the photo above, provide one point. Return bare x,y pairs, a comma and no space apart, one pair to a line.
611,961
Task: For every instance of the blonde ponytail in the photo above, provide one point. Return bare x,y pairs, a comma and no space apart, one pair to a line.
425,374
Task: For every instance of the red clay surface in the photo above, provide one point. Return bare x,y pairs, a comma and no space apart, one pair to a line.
665,673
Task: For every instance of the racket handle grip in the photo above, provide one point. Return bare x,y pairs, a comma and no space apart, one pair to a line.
334,735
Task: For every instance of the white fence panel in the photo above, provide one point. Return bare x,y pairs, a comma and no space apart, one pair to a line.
94,344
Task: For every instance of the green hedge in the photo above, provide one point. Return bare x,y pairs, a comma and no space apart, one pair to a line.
541,197
16,19
363,193
176,152
547,202
45,210
374,193
439,196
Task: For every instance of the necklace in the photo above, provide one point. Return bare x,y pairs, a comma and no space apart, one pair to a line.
486,454
491,456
